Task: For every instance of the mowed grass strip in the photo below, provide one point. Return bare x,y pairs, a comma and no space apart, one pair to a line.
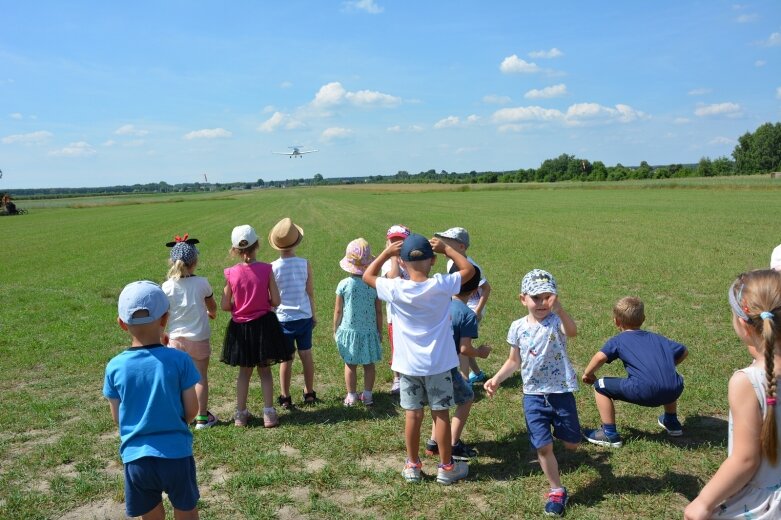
678,249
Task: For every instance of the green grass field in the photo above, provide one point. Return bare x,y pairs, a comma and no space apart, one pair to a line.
676,245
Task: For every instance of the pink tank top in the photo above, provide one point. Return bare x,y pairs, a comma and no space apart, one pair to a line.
249,284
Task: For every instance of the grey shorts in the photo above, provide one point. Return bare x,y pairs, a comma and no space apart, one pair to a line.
419,391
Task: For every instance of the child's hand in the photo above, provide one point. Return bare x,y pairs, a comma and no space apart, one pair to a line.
437,245
554,303
491,386
483,351
212,315
589,379
394,248
696,511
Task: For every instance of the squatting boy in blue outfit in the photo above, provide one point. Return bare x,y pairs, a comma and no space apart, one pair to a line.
151,391
650,360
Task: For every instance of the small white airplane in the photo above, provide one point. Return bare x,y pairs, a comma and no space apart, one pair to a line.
295,153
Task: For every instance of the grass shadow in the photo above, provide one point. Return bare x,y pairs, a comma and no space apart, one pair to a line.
698,430
333,411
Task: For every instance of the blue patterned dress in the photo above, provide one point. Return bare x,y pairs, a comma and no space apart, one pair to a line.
357,338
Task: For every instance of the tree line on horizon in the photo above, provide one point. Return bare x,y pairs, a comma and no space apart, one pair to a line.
757,152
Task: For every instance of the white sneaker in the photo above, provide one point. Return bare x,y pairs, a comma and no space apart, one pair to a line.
453,472
395,387
350,400
367,400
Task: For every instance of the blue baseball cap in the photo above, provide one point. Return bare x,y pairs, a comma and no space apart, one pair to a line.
142,296
537,282
416,247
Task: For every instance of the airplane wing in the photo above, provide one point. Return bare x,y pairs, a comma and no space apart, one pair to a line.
307,151
283,153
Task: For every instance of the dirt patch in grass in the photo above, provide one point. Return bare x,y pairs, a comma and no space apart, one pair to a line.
105,509
315,465
289,451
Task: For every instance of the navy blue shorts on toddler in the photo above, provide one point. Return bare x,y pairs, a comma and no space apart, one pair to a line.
556,410
623,389
146,479
298,333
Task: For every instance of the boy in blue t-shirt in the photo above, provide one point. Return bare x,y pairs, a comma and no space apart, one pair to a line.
151,391
652,380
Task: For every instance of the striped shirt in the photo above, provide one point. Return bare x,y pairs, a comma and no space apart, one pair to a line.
291,275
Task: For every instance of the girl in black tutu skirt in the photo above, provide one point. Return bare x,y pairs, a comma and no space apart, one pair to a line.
253,337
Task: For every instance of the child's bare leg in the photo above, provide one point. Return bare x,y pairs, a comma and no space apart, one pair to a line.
285,374
369,374
463,366
267,386
242,387
458,422
158,513
186,515
202,387
607,410
671,408
442,434
350,377
308,362
549,465
412,422
473,365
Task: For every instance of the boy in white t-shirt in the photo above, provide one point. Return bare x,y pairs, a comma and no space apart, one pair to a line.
424,351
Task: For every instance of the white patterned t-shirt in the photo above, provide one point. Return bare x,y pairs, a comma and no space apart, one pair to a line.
545,367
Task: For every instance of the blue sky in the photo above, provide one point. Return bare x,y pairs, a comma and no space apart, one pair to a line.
103,93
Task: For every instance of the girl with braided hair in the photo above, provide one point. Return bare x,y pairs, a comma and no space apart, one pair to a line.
748,482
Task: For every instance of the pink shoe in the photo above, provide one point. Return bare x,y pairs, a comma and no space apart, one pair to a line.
366,400
270,419
241,418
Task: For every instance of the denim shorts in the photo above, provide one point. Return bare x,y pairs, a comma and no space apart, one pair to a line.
146,479
620,389
298,333
418,391
556,410
462,391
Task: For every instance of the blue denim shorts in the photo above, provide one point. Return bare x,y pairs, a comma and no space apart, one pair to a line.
620,389
298,333
551,410
462,391
146,479
419,391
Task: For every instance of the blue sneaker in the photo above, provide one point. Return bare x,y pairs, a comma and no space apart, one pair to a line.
557,503
601,438
477,378
671,425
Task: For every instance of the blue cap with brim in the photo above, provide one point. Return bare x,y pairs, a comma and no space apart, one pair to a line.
142,296
416,247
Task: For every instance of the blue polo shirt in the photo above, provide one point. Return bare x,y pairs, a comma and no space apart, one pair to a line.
148,382
464,322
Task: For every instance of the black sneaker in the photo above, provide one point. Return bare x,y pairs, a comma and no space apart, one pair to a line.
431,447
671,425
463,451
600,438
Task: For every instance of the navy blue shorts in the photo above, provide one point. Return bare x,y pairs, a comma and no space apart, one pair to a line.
298,333
620,389
556,410
146,479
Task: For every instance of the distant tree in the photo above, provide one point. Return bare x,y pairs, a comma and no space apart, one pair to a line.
723,166
759,152
260,183
705,168
318,179
644,171
598,171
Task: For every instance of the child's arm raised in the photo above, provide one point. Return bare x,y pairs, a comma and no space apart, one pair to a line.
465,267
597,361
370,275
512,364
568,325
742,463
338,309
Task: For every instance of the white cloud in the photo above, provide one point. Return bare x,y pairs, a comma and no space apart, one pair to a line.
78,149
279,120
363,5
411,128
718,109
286,84
269,109
681,120
329,94
365,98
513,64
130,130
700,91
494,99
547,92
109,143
553,53
581,112
530,113
778,93
448,122
38,137
394,129
577,114
335,132
773,41
208,133
746,18
760,63
720,141
16,115
474,118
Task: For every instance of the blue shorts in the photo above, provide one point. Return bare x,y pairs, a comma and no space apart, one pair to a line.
462,391
298,333
557,410
146,479
621,389
415,392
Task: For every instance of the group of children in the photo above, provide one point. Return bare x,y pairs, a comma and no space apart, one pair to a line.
431,329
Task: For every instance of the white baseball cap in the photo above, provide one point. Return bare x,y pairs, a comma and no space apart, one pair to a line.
243,236
775,258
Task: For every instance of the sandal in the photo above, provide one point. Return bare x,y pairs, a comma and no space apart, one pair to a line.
285,402
310,397
205,421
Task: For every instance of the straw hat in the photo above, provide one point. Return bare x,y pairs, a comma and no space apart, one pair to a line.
285,235
357,257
